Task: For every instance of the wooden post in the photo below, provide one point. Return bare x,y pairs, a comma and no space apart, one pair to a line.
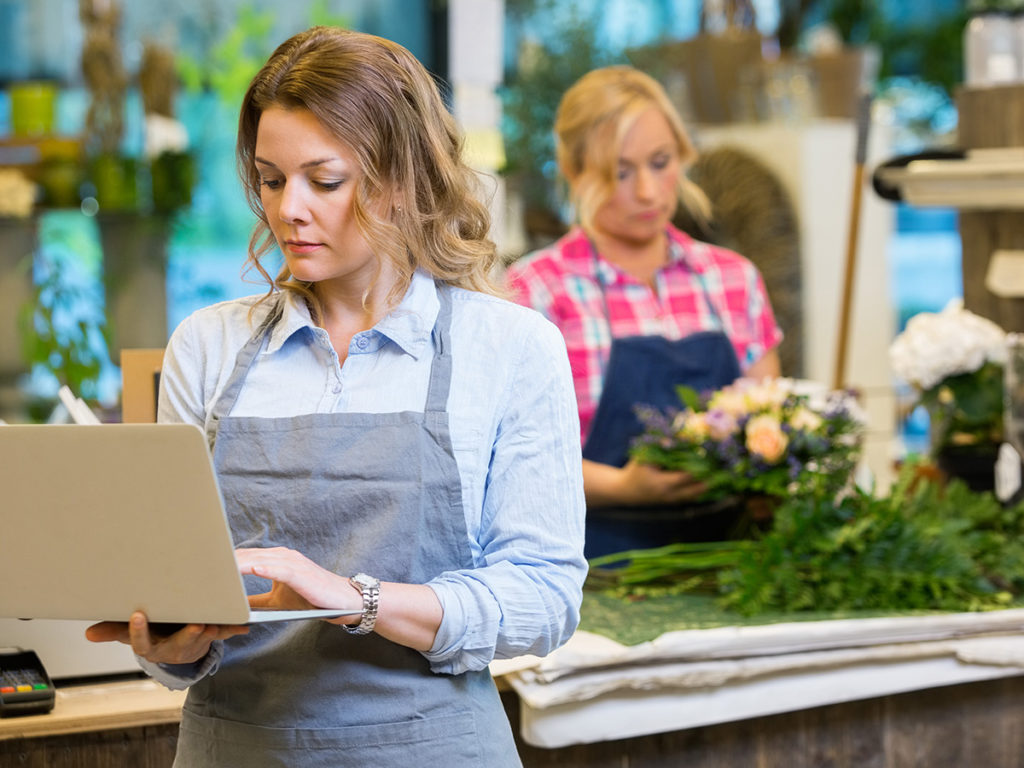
990,118
850,272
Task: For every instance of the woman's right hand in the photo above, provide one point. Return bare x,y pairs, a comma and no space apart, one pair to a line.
637,484
186,645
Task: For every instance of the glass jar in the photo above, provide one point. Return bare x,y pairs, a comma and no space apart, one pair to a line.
1018,36
992,53
33,108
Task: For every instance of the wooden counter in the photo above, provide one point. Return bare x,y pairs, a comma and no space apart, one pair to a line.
134,724
122,704
128,723
975,725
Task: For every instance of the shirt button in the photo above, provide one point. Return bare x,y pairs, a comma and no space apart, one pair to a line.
361,342
336,389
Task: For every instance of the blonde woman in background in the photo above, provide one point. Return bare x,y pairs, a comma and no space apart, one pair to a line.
642,306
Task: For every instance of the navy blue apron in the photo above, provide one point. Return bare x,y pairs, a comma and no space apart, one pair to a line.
646,370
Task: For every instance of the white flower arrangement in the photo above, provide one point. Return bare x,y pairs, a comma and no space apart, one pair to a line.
935,346
955,361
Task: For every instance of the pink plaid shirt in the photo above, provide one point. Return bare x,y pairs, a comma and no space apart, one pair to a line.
564,282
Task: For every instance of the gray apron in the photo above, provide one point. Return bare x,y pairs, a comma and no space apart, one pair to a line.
354,492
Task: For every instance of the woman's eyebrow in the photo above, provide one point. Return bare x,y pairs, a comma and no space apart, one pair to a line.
307,164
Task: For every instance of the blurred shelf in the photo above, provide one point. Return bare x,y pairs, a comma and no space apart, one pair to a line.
986,180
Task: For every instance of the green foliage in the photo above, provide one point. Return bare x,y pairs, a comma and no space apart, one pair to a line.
858,22
865,553
670,570
233,60
320,15
932,51
237,56
63,329
923,547
967,407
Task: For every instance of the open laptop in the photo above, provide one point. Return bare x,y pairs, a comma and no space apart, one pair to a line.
97,521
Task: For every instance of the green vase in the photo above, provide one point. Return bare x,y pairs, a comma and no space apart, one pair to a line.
116,179
61,181
33,108
172,175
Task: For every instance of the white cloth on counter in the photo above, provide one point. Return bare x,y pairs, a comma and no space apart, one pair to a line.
587,651
541,694
595,689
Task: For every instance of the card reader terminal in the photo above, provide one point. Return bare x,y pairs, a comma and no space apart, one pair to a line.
25,688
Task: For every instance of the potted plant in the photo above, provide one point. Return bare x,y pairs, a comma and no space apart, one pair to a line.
954,360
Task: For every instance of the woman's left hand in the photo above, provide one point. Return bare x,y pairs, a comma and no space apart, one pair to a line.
298,582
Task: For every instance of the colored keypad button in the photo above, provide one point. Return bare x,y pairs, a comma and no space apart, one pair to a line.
7,689
39,687
24,688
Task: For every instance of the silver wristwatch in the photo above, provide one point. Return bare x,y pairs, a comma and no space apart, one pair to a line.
370,589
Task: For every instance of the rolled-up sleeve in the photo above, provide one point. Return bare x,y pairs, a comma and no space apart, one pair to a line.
525,597
178,677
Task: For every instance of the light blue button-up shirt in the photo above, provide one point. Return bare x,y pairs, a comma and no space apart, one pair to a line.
514,428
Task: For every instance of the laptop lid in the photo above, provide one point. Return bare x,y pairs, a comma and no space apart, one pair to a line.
101,520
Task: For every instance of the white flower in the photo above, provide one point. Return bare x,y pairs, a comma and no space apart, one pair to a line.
935,346
805,420
164,134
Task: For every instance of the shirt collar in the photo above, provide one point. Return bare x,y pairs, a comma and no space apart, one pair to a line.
578,254
294,318
683,248
409,325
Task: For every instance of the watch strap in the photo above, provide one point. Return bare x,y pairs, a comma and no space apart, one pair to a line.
369,587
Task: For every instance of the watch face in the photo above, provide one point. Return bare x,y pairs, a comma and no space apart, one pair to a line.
366,581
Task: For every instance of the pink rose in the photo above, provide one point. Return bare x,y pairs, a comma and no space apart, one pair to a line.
765,438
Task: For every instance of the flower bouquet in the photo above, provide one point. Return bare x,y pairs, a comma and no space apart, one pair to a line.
776,437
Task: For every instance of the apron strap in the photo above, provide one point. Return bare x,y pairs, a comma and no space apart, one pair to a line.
243,361
441,370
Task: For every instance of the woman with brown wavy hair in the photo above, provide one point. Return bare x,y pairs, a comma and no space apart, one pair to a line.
391,438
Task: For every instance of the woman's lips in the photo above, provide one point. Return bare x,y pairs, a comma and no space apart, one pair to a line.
301,246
